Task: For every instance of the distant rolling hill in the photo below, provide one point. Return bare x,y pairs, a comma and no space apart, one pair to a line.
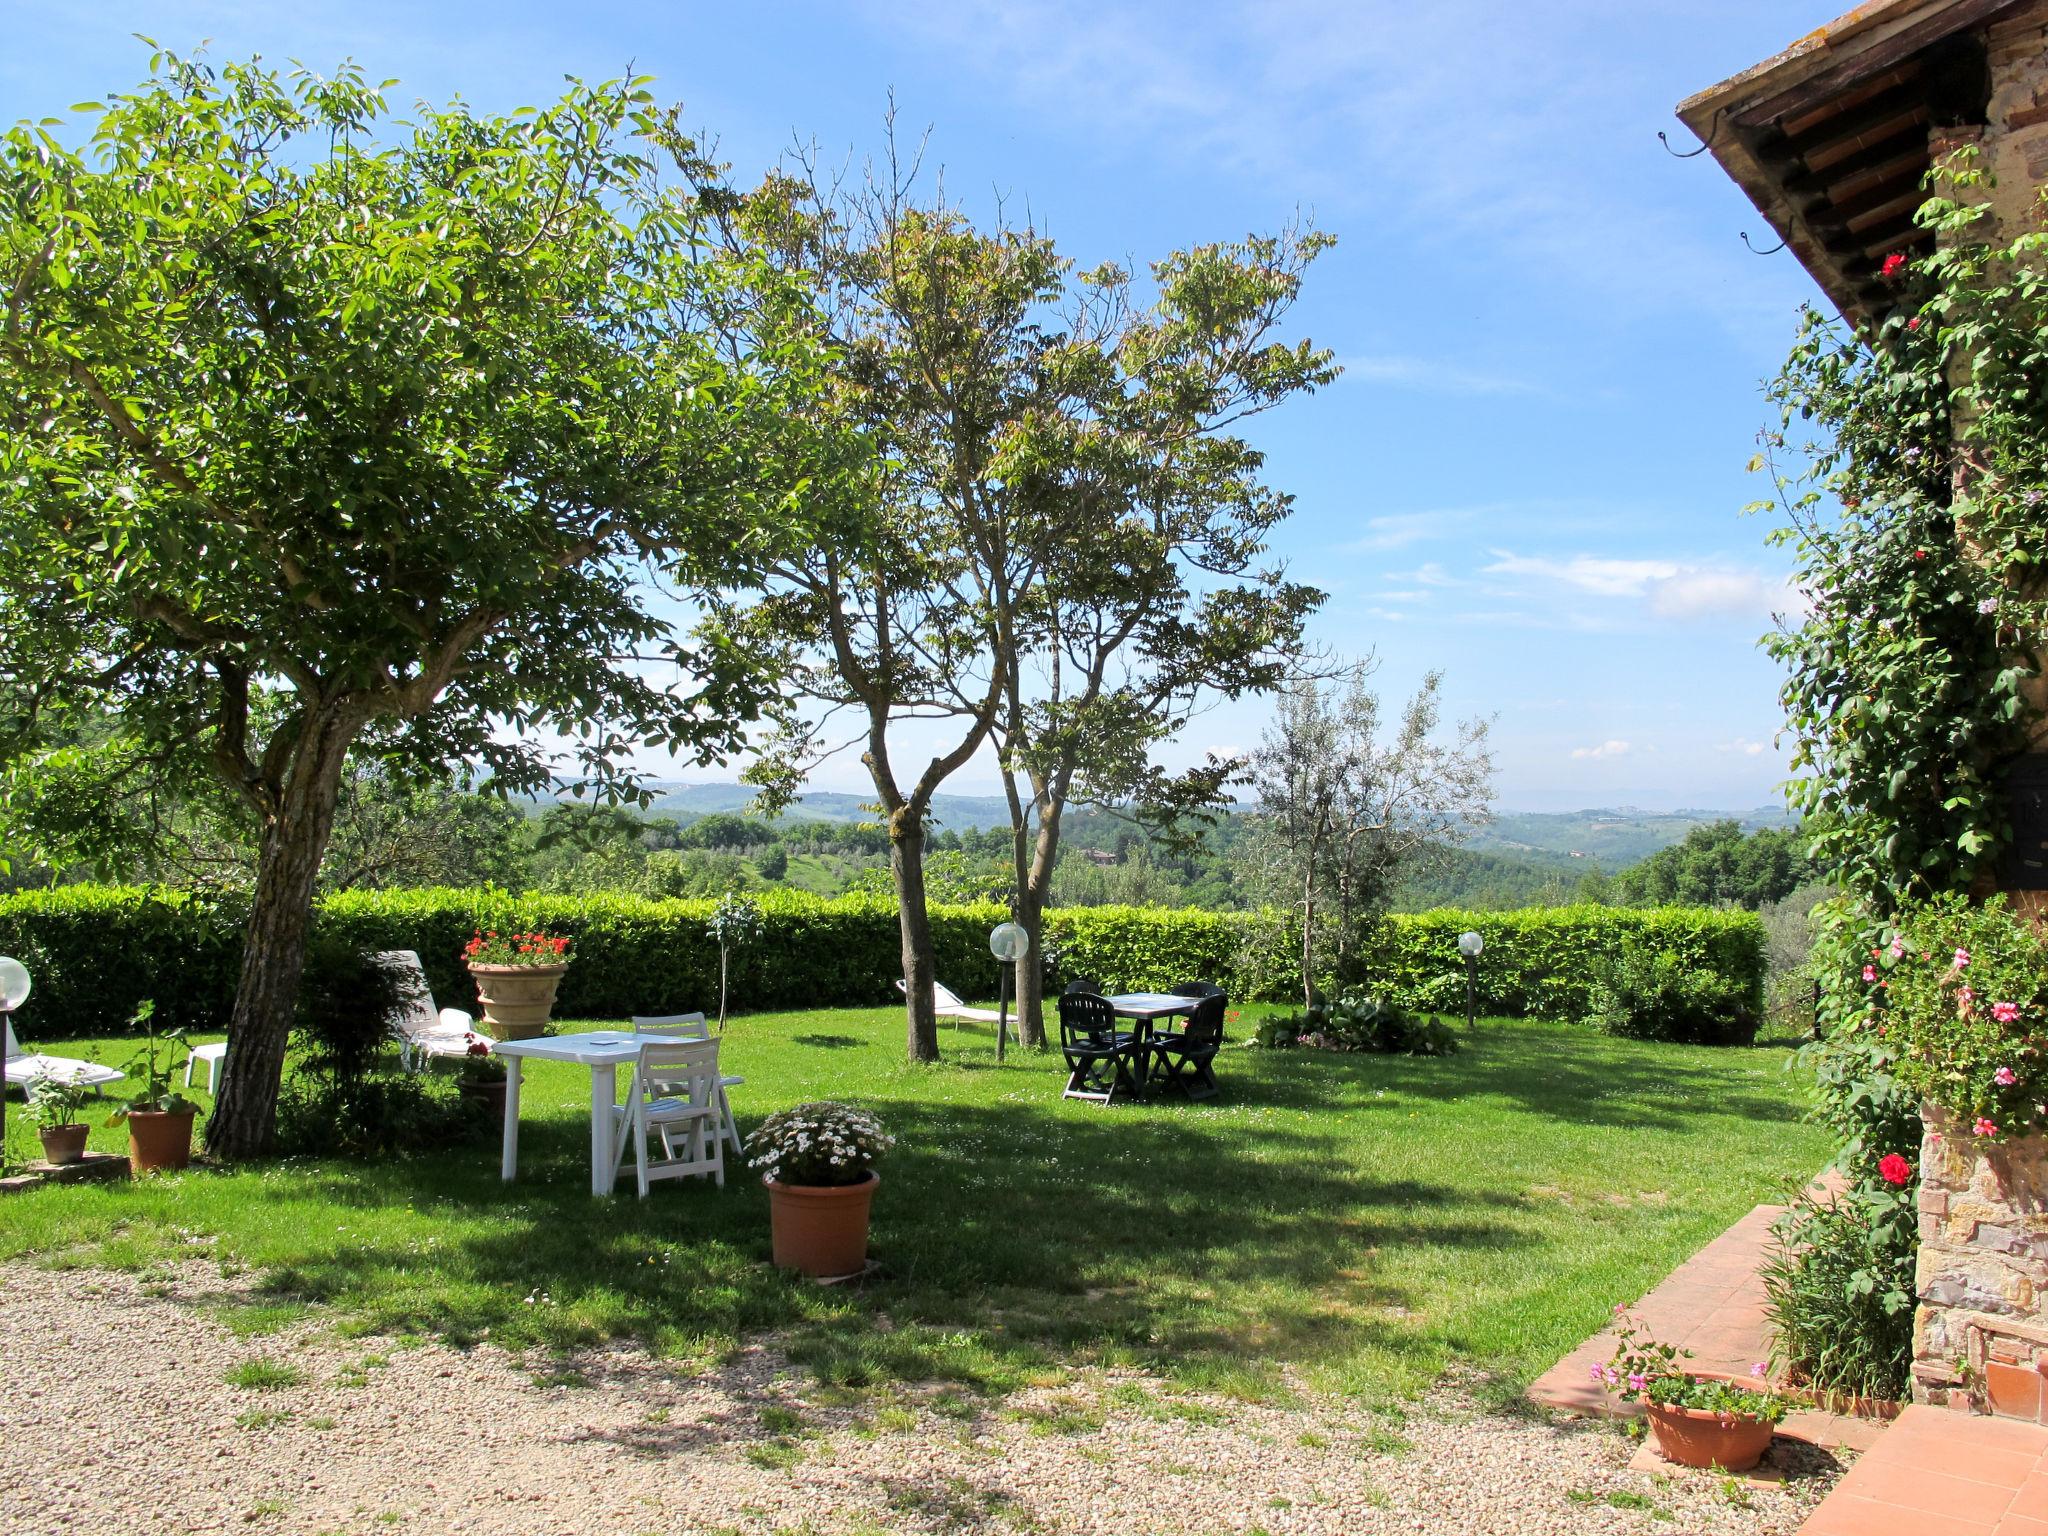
686,802
1612,838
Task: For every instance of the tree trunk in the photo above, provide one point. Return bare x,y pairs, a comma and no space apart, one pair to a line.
274,946
906,866
1031,976
1033,894
1308,931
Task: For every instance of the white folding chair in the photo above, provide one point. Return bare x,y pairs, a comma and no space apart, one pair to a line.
691,1026
674,1096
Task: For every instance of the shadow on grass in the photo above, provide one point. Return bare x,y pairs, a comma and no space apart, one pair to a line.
1010,1239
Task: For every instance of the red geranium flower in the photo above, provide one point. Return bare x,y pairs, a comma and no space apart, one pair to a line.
1894,264
1894,1170
1913,324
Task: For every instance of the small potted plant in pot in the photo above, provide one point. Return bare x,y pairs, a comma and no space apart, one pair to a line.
818,1161
480,1078
159,1118
1699,1421
516,975
54,1103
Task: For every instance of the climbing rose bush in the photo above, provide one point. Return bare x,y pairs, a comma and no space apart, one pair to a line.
818,1143
1963,991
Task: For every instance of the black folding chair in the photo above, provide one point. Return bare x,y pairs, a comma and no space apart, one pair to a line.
1186,1059
1100,1057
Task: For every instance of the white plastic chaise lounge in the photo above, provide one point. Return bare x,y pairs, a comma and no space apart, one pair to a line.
422,1030
24,1069
947,1005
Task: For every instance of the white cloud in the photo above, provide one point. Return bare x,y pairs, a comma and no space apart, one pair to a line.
1672,589
1401,529
1745,747
1433,376
1587,573
1605,749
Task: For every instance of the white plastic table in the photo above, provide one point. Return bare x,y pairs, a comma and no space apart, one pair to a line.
604,1052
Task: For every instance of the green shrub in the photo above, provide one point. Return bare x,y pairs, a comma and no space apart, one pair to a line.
342,1094
1357,1024
1839,1286
1645,994
96,950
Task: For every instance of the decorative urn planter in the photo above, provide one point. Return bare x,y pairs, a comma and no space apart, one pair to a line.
821,1230
516,999
158,1141
1697,1437
63,1143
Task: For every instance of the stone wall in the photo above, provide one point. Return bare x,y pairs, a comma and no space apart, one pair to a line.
1980,1339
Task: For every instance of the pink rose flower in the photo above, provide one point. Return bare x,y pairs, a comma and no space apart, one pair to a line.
2005,1077
2006,1013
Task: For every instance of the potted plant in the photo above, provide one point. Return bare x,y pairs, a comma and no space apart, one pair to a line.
818,1161
159,1118
1699,1421
480,1077
516,975
54,1103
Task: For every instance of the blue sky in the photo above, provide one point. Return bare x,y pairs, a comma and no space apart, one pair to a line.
1532,472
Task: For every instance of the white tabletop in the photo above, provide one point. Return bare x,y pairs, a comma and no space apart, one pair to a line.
1146,1005
597,1048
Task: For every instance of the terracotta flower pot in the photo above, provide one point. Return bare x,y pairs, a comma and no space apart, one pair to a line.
821,1229
516,999
158,1142
1693,1437
489,1092
63,1143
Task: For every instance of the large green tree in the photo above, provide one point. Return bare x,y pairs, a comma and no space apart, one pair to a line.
1154,594
325,431
1058,552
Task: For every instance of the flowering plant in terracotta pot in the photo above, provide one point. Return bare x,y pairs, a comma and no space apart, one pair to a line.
516,975
1699,1420
818,1161
479,1075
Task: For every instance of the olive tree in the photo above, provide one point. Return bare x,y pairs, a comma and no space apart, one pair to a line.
323,432
1346,809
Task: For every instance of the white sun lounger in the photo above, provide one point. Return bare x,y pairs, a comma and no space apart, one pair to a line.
24,1069
947,1005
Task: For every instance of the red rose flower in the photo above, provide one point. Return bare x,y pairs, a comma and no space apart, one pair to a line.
1894,264
1913,324
1894,1170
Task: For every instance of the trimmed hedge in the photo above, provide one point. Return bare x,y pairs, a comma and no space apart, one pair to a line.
96,950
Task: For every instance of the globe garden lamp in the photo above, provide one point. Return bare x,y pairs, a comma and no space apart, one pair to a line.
1469,946
1009,943
14,989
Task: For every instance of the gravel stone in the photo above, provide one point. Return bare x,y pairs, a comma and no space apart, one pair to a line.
117,1414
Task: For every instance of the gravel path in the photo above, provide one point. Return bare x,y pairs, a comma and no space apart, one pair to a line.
120,1393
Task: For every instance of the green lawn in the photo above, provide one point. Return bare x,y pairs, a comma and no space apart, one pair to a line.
1364,1220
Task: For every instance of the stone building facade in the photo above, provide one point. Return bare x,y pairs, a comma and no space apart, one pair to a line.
1833,140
